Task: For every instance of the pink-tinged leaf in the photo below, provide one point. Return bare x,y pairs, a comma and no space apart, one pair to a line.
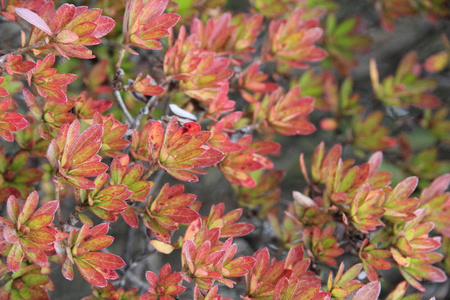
157,28
370,291
91,135
98,243
42,236
182,175
143,86
237,230
40,221
437,62
12,209
66,36
404,189
429,101
240,266
90,274
183,215
104,26
88,170
67,269
33,19
15,257
29,207
103,260
15,64
99,230
129,216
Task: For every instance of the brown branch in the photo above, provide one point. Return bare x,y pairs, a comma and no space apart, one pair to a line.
60,220
23,50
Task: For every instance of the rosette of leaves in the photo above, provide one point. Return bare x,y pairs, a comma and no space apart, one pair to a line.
398,205
345,286
67,30
238,165
51,116
105,202
405,88
227,222
86,107
436,202
29,282
342,40
328,94
253,84
206,260
412,251
169,209
110,292
50,84
342,179
366,209
321,244
16,65
200,72
15,179
144,23
82,249
270,279
164,286
74,156
262,197
180,151
370,135
286,113
373,258
113,131
122,172
290,42
27,233
9,121
228,35
344,283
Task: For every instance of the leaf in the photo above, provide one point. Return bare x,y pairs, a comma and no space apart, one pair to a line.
66,36
404,189
33,19
369,291
437,62
162,247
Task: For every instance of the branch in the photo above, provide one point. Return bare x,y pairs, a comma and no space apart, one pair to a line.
59,212
144,111
23,50
123,107
120,58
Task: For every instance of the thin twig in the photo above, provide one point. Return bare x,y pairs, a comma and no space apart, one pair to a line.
129,266
126,254
123,107
120,58
143,285
150,171
144,111
22,50
60,220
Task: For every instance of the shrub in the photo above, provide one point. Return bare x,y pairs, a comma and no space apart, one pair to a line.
196,98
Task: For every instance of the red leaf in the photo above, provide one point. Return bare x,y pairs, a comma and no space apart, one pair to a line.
103,260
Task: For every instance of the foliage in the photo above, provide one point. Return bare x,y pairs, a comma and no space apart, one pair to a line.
178,89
